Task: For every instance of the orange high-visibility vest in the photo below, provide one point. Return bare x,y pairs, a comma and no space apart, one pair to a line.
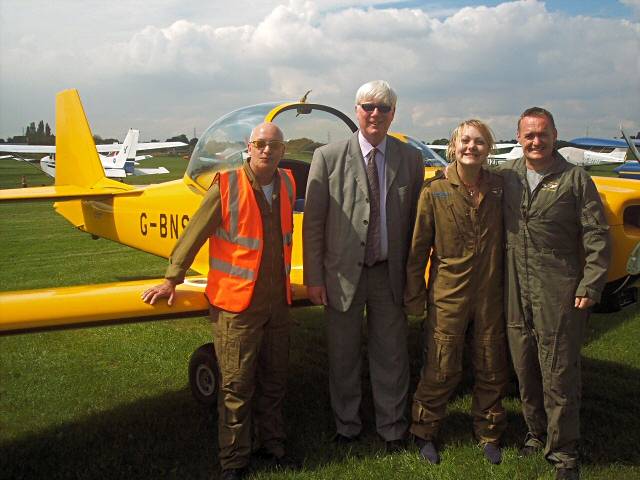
235,249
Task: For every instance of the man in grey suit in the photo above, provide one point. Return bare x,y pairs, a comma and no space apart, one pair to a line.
359,213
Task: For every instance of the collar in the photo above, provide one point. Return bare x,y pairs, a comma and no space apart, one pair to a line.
366,147
559,165
252,176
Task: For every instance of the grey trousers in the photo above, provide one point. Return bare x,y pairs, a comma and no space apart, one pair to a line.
388,357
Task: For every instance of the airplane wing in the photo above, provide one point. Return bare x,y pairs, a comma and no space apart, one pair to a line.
13,148
158,145
88,305
63,192
150,171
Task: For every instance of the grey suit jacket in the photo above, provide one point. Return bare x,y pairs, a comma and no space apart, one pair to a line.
336,215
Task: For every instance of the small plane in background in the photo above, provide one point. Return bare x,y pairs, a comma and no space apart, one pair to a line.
631,167
121,159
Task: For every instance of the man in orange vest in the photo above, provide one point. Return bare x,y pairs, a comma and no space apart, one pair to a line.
247,216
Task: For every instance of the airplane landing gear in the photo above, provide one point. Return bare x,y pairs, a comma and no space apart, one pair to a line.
204,375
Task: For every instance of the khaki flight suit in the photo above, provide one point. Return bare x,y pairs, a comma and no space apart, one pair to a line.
557,248
252,346
465,296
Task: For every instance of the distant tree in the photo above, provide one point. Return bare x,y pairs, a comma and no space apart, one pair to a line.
178,138
440,141
40,131
193,141
47,130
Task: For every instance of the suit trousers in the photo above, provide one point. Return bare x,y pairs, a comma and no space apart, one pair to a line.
388,357
253,354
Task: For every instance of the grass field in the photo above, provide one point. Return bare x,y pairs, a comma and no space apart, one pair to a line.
113,402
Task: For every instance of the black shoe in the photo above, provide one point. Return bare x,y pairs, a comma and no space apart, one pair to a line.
279,461
567,474
233,474
527,451
340,439
532,445
492,453
428,451
395,446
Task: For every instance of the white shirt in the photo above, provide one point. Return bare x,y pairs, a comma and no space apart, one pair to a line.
365,148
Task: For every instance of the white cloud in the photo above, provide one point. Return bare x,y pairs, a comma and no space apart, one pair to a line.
479,61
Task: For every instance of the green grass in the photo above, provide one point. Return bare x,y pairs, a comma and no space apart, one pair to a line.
113,402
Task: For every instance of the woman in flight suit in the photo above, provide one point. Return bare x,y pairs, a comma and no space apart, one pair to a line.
459,228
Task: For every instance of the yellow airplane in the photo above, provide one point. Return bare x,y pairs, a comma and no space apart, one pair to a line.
151,217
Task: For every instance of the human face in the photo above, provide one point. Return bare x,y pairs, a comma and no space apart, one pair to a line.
375,124
264,161
537,137
471,147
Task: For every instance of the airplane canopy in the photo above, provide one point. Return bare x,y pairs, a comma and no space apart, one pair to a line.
305,126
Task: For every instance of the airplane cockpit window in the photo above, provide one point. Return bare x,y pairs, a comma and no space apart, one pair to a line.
305,126
224,144
429,157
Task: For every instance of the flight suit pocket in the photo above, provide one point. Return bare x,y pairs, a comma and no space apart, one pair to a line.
231,357
450,238
445,356
490,357
565,371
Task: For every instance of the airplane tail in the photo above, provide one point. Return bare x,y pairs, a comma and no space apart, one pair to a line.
128,149
632,145
79,172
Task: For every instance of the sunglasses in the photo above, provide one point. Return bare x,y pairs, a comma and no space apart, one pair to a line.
370,107
262,144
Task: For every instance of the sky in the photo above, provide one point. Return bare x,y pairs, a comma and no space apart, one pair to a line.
169,67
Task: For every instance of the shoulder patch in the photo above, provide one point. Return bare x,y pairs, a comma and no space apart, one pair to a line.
440,194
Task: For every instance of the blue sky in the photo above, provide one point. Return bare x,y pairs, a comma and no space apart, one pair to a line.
171,66
594,8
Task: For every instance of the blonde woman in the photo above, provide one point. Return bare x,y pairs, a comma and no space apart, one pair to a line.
459,228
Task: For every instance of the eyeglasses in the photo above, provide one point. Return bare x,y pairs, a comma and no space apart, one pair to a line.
262,144
370,107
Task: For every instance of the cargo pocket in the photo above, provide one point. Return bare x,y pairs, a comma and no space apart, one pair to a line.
445,356
490,357
565,371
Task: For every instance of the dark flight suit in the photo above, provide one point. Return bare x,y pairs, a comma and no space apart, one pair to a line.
465,294
252,346
557,248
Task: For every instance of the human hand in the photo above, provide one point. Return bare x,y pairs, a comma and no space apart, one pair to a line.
317,295
582,303
164,290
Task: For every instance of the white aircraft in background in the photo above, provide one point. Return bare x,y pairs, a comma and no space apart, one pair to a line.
121,161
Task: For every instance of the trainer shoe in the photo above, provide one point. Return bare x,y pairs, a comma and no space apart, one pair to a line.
492,453
428,451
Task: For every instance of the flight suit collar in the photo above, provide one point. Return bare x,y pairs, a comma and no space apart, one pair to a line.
559,165
254,181
483,186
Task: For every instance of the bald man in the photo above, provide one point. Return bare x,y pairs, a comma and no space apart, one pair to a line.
247,217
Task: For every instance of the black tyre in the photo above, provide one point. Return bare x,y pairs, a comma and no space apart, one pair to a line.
204,375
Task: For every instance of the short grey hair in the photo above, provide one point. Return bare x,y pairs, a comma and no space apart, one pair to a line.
378,91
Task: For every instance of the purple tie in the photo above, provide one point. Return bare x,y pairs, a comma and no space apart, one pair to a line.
372,250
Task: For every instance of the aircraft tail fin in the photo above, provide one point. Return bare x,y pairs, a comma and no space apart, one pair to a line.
632,145
128,149
79,172
77,160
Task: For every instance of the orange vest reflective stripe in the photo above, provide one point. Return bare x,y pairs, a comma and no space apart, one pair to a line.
235,249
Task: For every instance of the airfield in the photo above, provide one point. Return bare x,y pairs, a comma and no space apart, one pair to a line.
114,402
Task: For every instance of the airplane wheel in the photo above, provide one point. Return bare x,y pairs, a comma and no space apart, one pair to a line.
204,375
